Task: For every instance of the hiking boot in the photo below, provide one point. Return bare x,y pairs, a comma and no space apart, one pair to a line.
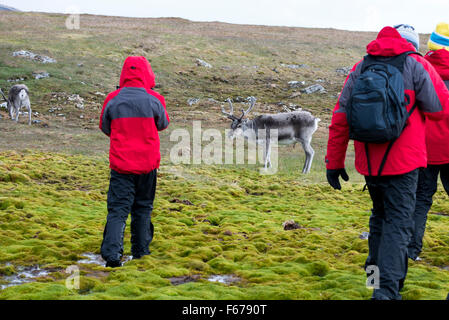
113,264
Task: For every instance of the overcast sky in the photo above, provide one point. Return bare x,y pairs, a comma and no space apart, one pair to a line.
360,15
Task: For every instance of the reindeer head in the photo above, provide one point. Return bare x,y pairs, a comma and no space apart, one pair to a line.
239,124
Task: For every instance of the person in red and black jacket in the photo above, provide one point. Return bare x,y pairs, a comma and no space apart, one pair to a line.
132,116
437,133
394,193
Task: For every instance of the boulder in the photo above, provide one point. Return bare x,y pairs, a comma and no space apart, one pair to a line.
344,71
33,56
314,88
203,63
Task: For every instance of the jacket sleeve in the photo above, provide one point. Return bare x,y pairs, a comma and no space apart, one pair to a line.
339,129
161,116
105,122
432,95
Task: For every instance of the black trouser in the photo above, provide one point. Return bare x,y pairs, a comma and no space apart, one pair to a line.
129,193
427,186
391,227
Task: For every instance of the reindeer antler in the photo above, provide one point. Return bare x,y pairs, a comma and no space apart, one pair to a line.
230,115
1,92
252,101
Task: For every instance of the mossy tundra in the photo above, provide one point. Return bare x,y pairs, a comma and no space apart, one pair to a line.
208,220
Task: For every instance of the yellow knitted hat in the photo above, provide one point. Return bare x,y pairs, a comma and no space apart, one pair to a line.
439,39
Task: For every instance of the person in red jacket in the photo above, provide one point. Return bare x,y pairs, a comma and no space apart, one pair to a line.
132,116
436,142
393,193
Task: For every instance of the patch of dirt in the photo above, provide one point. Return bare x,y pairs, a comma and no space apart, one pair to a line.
440,214
291,225
185,201
176,281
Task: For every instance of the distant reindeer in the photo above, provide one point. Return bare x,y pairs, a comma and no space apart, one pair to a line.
293,127
17,99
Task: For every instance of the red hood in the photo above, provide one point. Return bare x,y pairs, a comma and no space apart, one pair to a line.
389,43
440,61
137,72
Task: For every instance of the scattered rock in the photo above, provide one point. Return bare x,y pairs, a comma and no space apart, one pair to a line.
40,75
80,64
294,66
227,233
203,63
98,93
320,80
79,102
33,56
36,121
290,225
314,88
193,101
364,236
344,71
16,80
296,84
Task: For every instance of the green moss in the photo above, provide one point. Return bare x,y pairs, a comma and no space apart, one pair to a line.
51,222
319,268
7,270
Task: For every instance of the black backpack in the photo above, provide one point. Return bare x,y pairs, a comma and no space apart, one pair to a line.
376,110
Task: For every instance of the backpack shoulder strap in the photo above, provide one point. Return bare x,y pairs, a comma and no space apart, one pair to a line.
396,61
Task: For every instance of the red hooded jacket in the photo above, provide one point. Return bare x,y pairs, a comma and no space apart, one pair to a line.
438,131
422,84
132,116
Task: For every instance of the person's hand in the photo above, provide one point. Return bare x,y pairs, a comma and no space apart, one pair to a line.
333,175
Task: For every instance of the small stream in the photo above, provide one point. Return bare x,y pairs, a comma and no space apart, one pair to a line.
23,275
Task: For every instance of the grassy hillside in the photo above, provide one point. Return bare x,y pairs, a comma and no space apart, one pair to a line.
209,220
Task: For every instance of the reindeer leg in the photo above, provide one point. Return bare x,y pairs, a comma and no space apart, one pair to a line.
269,155
10,111
309,156
17,114
29,115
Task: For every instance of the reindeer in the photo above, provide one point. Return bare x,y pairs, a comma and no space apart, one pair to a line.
293,127
17,98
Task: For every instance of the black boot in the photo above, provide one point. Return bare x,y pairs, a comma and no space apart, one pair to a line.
113,264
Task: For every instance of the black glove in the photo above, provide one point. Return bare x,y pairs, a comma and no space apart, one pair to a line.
333,175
